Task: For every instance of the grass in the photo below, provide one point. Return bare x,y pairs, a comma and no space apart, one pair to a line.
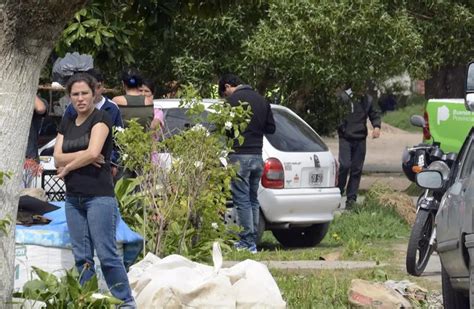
369,232
328,288
413,190
400,118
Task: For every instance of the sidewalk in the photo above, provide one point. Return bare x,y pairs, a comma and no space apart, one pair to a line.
312,265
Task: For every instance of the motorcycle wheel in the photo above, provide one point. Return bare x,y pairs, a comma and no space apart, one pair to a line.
419,249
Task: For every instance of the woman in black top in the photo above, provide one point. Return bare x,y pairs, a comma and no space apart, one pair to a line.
82,156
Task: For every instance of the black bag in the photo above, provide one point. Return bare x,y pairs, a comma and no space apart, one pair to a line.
31,211
63,68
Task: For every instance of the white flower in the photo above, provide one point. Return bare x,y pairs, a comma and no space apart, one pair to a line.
198,164
228,125
215,225
198,127
223,161
98,296
232,114
124,156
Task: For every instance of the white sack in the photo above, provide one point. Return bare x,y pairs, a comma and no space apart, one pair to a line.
176,282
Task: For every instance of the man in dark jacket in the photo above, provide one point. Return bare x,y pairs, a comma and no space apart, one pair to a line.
249,157
352,141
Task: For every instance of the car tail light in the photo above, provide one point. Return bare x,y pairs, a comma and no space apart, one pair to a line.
426,128
273,174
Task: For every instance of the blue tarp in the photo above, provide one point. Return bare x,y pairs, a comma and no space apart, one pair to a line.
56,234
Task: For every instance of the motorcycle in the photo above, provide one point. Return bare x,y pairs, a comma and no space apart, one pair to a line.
422,240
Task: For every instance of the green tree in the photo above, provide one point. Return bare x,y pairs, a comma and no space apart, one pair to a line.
104,30
309,49
300,51
447,29
200,45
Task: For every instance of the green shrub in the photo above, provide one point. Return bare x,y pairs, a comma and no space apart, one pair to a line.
66,292
184,186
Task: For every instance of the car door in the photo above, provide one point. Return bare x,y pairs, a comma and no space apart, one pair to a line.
454,217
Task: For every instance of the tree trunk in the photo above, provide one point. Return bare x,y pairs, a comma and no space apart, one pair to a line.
447,82
29,31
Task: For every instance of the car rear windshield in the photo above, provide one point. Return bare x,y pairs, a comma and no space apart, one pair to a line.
176,120
293,135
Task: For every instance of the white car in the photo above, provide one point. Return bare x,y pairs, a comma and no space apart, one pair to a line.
298,193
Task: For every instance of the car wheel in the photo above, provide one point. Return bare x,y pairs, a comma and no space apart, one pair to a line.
302,237
453,299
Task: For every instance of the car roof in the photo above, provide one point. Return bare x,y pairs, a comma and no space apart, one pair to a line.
174,103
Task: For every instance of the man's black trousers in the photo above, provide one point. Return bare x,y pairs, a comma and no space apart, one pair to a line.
351,161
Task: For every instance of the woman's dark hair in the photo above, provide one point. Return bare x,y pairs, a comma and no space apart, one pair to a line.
132,78
82,77
230,79
149,83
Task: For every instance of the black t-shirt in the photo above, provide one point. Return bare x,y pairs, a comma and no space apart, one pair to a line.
87,180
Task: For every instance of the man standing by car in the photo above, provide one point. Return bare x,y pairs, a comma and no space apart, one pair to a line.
249,157
352,141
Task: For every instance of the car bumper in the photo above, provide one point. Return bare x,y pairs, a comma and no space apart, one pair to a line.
299,206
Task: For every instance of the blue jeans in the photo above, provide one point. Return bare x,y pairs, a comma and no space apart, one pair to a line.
245,195
92,223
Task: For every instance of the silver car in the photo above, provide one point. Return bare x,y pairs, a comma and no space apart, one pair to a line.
455,227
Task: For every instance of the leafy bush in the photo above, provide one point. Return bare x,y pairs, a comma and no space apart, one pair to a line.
183,184
66,292
130,201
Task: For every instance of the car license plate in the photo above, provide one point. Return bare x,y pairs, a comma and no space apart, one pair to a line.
315,178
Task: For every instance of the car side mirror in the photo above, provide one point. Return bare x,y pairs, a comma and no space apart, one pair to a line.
417,121
430,179
469,87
